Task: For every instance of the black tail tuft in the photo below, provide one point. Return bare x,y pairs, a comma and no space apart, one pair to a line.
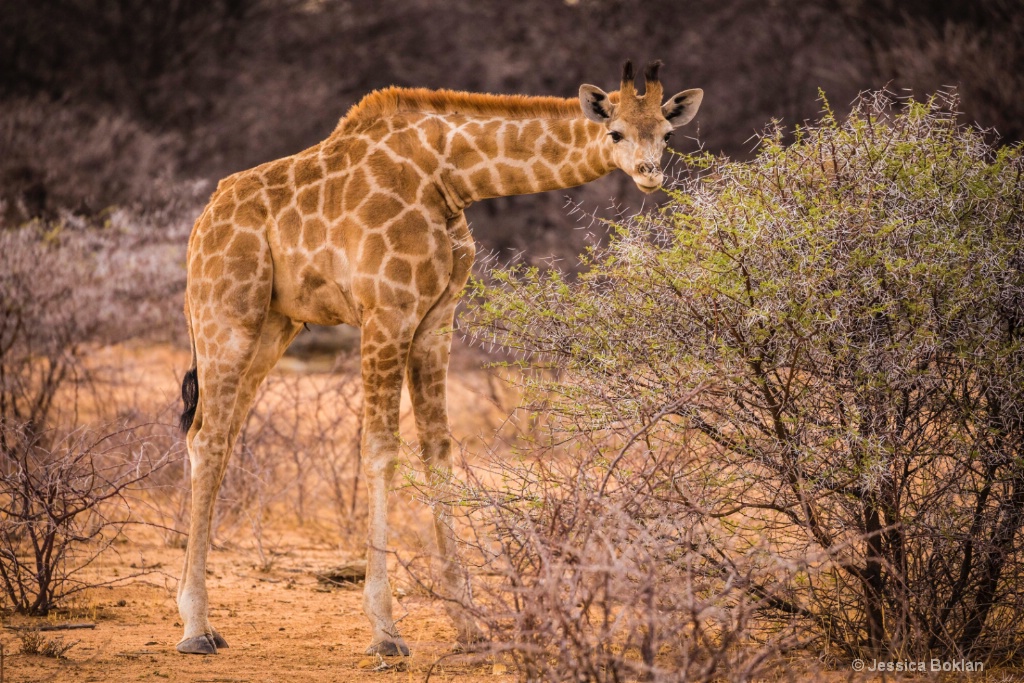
190,397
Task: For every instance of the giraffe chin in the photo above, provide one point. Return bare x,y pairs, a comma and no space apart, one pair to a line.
648,189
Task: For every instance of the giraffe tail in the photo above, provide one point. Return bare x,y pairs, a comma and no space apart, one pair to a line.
190,397
190,384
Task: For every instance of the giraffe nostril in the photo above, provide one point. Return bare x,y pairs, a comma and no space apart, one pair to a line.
646,169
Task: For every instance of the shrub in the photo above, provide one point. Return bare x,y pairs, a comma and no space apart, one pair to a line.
65,290
584,579
298,454
63,487
62,157
63,502
852,306
33,642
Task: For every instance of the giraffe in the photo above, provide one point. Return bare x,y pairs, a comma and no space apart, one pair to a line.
367,228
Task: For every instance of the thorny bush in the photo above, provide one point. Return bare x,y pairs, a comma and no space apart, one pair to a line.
587,577
63,501
298,453
65,289
851,308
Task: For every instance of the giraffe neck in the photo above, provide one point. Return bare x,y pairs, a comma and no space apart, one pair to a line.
501,158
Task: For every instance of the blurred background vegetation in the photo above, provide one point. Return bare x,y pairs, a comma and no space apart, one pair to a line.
128,103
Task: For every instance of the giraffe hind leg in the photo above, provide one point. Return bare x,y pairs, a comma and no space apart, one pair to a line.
209,445
218,419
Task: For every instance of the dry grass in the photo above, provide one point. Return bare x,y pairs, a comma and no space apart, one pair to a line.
281,622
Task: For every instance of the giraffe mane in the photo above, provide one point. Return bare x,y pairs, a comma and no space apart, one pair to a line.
394,100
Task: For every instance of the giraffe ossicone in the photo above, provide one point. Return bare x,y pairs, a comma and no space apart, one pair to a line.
367,228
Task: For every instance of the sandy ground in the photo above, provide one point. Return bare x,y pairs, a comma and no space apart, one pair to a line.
282,625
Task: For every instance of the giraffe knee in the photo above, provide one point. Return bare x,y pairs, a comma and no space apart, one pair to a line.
436,452
206,455
379,468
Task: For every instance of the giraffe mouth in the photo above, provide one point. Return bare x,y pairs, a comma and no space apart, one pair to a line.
650,181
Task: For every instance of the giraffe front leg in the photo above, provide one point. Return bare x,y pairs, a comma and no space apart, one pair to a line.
428,370
379,467
428,379
383,358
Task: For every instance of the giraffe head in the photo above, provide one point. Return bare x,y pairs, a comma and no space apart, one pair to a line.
639,126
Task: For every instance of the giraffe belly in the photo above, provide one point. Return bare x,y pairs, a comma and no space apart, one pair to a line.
314,291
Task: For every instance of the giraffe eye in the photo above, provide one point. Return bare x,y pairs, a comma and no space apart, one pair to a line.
616,136
668,135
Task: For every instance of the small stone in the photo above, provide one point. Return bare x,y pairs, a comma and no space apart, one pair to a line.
378,663
348,573
368,662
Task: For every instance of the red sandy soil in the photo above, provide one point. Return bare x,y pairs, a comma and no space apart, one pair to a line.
281,624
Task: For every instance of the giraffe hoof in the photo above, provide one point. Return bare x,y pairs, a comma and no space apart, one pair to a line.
218,640
198,645
389,648
468,640
469,633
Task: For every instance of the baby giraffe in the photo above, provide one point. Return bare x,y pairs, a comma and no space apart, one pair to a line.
367,228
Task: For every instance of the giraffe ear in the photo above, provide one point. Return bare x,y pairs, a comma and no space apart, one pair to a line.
682,107
596,104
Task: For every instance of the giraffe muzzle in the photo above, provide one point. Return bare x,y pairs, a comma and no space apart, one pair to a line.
648,177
